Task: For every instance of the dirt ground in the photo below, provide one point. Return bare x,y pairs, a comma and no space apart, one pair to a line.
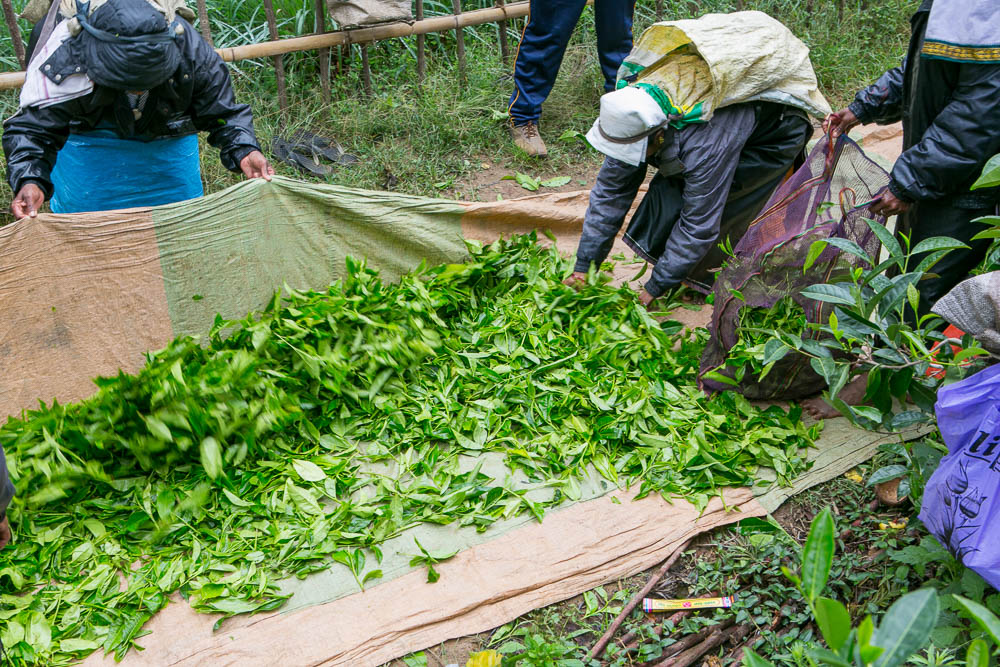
490,182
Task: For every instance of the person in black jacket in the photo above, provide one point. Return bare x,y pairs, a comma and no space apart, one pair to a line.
126,71
946,93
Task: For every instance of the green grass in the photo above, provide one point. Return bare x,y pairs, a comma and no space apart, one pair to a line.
432,139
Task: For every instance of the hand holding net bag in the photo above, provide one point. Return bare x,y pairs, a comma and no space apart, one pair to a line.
767,264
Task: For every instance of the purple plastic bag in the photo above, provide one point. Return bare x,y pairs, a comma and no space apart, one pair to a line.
961,505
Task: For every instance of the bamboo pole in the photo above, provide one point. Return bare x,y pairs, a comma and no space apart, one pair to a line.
659,10
206,29
460,39
504,47
279,64
376,33
421,61
344,37
324,53
15,31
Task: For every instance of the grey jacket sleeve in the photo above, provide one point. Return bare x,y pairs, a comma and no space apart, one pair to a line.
710,153
881,102
610,200
6,486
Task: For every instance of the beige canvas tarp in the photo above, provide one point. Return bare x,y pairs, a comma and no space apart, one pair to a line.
87,295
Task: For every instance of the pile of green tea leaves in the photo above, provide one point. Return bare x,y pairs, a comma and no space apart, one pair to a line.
218,469
756,349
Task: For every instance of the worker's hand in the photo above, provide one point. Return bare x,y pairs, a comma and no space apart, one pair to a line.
576,280
840,122
4,532
27,202
889,204
255,165
646,299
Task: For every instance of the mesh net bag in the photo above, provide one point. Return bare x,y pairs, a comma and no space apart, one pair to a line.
822,200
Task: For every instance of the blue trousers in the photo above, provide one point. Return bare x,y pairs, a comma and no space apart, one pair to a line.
547,31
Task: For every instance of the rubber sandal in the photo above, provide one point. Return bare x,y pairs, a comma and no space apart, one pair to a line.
307,141
286,152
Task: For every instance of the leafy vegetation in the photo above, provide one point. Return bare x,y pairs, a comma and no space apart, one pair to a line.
751,353
333,421
878,331
904,629
880,554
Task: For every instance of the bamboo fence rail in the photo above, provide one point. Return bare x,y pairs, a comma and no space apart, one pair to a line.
275,48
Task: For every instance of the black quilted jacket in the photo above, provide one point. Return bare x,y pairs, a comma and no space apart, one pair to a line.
198,98
951,125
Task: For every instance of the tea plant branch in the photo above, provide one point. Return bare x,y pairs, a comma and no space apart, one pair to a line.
602,643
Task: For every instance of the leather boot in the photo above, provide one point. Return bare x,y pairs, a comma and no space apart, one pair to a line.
526,138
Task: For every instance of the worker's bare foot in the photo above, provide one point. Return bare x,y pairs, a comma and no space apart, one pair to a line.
526,138
852,394
692,298
576,280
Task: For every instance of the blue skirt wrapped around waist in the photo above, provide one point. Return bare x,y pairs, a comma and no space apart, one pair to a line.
99,171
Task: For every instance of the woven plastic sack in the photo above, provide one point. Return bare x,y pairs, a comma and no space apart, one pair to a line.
819,201
961,505
355,13
691,66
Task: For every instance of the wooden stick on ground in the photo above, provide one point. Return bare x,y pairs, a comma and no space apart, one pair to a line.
689,641
714,640
627,639
421,61
460,39
279,63
324,53
15,31
634,602
206,29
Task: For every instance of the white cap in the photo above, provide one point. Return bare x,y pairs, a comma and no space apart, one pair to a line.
626,112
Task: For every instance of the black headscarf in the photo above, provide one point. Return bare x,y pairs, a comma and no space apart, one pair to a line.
127,44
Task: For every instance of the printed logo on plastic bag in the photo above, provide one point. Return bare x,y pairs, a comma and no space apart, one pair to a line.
960,502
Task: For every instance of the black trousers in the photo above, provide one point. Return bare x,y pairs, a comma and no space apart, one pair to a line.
936,218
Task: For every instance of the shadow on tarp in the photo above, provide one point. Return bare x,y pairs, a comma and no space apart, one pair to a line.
88,294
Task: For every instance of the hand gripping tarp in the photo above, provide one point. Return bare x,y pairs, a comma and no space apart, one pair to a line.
88,294
700,65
